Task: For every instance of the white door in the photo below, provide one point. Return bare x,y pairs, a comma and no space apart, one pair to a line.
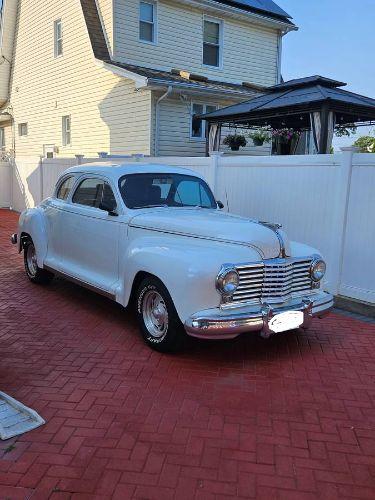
91,235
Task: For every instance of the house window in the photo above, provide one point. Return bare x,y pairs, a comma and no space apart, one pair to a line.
22,129
212,42
2,138
147,22
66,131
198,127
58,37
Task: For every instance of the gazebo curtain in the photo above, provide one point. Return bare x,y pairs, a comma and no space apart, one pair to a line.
316,127
214,136
331,129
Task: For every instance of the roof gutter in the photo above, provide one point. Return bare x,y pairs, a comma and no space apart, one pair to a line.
155,84
140,81
157,117
237,12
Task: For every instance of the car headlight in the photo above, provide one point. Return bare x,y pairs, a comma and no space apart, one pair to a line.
318,269
227,280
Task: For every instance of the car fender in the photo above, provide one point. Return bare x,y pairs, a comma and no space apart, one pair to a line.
33,223
302,250
187,266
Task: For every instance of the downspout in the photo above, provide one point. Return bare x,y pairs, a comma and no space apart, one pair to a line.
279,57
157,117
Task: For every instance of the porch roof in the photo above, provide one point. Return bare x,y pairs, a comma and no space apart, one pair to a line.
158,78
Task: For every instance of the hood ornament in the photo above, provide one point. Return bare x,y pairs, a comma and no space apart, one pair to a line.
275,228
271,224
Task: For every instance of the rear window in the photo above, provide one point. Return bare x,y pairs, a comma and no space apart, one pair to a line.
65,188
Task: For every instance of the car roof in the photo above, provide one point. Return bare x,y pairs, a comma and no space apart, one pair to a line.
115,170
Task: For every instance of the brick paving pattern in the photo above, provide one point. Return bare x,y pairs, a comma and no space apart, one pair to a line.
289,418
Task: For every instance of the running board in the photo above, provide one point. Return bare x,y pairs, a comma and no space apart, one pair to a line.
80,282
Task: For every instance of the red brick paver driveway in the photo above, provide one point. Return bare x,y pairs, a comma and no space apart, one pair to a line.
288,418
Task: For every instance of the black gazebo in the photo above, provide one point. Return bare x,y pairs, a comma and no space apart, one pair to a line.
314,103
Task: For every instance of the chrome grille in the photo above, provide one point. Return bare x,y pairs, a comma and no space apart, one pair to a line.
274,280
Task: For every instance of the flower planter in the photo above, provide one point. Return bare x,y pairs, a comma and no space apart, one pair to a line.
258,142
235,148
284,148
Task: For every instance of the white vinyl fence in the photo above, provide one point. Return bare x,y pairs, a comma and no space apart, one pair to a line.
326,201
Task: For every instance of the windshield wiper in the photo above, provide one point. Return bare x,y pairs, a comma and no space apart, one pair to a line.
151,206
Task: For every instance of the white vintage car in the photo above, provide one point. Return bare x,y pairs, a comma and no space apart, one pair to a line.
155,236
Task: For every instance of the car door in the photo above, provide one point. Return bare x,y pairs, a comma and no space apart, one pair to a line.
91,247
53,209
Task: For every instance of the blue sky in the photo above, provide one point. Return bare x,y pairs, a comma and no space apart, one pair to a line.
335,39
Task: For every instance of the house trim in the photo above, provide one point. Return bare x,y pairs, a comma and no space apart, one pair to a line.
238,13
140,81
105,34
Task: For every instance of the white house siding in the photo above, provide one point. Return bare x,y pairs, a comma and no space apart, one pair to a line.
174,130
250,51
8,136
107,113
105,9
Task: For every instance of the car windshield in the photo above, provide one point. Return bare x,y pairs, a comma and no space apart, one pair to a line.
165,190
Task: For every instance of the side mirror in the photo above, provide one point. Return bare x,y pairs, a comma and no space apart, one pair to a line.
220,204
108,207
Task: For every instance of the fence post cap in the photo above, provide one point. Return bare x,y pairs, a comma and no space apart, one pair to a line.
102,154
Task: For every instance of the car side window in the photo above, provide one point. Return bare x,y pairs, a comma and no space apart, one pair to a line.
89,192
108,197
65,188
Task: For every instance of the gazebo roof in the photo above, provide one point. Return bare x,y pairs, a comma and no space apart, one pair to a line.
289,103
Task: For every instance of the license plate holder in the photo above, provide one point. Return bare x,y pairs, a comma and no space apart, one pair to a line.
285,321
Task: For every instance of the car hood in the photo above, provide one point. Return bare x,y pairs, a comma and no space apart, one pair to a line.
213,225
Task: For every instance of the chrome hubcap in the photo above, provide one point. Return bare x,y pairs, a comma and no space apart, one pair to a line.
31,260
155,314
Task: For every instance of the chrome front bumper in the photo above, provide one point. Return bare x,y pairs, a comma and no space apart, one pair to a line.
228,323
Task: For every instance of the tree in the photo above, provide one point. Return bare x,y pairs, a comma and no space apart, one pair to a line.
366,144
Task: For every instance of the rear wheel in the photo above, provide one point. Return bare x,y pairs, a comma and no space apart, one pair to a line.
34,273
160,325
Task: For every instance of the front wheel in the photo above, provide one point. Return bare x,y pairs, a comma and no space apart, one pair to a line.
34,273
160,325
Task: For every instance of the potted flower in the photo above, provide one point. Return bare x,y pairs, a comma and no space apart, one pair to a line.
235,141
285,139
260,136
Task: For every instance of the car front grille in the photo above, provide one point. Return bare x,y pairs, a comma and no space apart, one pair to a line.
274,280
